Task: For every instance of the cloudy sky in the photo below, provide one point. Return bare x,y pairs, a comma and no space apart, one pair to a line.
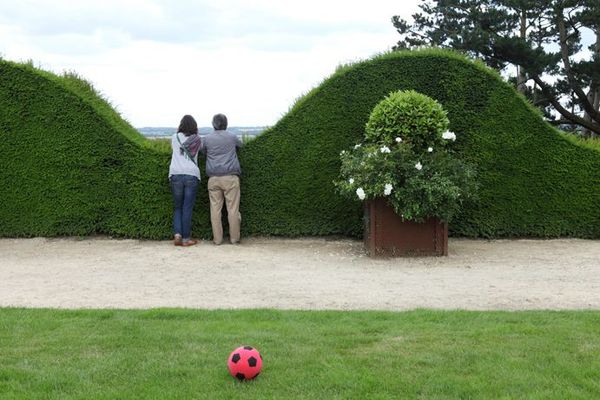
157,60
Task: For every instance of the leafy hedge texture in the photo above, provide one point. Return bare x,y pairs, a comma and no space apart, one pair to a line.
70,165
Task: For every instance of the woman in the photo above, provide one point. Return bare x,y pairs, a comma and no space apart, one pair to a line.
184,176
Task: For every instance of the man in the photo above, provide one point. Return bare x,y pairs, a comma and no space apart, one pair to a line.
223,170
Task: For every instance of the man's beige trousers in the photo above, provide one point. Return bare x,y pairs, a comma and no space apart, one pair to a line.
228,188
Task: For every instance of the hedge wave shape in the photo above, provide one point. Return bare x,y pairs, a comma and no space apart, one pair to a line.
70,165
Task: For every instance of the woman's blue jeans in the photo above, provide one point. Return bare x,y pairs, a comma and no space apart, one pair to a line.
184,188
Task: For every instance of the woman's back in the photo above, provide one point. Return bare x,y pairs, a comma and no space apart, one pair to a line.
181,163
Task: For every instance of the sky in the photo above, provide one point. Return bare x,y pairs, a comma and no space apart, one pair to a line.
156,60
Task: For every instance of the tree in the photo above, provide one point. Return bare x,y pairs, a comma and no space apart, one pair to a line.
539,37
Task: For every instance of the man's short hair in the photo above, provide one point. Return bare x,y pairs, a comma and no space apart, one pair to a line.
219,122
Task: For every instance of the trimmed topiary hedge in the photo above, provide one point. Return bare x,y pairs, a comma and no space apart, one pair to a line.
69,165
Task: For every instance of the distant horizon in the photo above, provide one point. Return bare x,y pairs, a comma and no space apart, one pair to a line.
169,130
254,127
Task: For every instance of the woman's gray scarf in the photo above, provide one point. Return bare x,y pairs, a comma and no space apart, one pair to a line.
191,145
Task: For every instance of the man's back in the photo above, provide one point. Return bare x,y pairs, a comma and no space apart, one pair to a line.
221,157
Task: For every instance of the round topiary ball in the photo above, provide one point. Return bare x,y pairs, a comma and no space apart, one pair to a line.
410,116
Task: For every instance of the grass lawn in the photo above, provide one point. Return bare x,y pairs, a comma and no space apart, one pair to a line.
182,354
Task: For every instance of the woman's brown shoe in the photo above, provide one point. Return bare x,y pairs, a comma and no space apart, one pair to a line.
177,241
190,242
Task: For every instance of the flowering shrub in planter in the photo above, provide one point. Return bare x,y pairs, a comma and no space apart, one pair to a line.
406,157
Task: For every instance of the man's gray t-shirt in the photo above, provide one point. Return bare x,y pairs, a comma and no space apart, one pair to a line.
221,157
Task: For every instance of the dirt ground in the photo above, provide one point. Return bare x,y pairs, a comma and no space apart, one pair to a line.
310,273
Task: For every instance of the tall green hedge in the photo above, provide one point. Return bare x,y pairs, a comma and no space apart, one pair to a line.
70,165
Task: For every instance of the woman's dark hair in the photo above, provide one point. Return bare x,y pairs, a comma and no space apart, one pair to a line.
219,122
188,126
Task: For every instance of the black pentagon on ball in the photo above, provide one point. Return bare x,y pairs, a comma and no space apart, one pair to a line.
252,362
236,357
240,376
248,347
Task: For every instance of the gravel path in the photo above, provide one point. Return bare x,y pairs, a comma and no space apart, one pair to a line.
310,273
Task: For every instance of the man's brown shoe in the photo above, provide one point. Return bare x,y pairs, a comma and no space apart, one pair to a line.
190,242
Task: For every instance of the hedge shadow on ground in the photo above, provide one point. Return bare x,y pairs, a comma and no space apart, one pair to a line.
71,165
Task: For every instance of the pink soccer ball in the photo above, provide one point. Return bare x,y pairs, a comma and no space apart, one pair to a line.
244,363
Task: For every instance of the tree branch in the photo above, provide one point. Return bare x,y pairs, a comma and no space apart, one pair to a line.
588,108
562,121
564,112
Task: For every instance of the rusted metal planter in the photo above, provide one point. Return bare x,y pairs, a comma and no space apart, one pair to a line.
386,234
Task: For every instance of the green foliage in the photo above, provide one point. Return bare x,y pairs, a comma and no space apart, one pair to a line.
69,165
412,116
181,354
404,158
439,189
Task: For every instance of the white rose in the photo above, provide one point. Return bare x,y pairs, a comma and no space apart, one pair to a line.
385,149
398,140
360,193
429,149
357,146
449,135
351,181
419,166
388,189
